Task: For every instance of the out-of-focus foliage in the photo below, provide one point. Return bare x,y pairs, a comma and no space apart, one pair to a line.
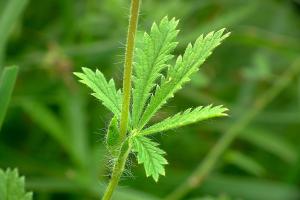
51,130
7,82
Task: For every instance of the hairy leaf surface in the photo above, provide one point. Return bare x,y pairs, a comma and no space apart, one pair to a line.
189,116
150,59
185,66
104,91
12,187
150,155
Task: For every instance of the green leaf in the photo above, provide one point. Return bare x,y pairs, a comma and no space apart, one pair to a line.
189,116
178,75
7,82
150,59
104,91
12,187
113,136
74,112
150,155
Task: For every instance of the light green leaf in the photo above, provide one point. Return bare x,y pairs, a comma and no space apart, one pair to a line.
104,91
189,116
7,83
113,136
12,187
150,59
150,155
185,66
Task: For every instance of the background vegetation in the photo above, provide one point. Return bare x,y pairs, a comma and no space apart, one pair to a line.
53,130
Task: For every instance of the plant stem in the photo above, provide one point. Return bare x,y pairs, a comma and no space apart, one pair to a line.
125,148
133,21
205,167
117,171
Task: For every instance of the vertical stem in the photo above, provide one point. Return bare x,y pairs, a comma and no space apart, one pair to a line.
133,20
117,171
205,167
125,149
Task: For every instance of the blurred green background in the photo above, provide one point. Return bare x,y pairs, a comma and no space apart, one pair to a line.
53,131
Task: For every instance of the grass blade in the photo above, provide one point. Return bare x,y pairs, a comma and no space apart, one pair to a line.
10,14
7,82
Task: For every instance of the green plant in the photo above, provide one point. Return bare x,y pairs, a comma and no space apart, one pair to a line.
12,187
155,81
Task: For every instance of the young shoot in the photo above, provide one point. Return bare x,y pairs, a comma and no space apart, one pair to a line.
154,81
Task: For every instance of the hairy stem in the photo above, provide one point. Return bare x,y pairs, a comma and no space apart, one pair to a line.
117,171
205,167
133,20
125,149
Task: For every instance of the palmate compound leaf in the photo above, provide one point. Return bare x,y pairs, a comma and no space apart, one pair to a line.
189,116
104,91
150,155
151,58
185,66
12,187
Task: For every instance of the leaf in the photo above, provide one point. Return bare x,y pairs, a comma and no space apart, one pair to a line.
12,187
113,136
75,114
185,66
104,91
7,82
150,59
150,155
189,116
